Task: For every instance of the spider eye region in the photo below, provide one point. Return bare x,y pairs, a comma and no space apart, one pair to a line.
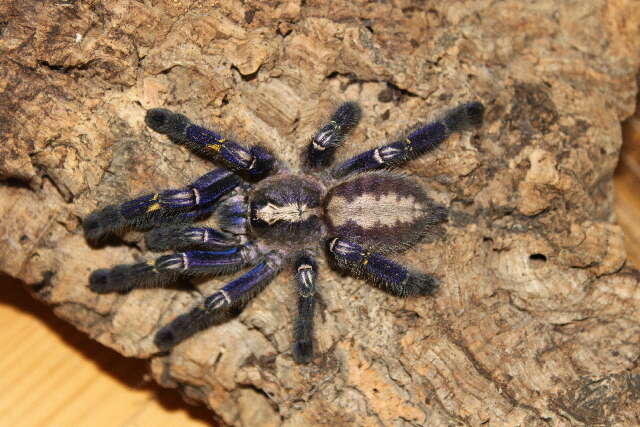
271,213
286,209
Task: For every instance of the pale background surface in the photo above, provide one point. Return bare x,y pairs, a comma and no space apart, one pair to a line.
53,375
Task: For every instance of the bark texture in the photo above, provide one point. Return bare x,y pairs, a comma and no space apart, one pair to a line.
538,319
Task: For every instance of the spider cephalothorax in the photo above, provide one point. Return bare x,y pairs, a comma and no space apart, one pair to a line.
267,216
287,209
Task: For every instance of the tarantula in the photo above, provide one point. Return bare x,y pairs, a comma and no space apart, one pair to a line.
269,216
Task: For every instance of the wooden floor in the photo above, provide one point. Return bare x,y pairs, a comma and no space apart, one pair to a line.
627,189
53,375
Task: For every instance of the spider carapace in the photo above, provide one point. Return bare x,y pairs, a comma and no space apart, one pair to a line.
257,214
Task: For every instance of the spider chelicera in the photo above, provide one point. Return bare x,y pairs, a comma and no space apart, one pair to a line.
269,216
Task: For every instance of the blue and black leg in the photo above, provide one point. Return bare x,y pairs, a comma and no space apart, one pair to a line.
306,271
234,293
198,262
188,236
387,274
330,136
125,277
168,268
156,208
255,162
417,143
232,213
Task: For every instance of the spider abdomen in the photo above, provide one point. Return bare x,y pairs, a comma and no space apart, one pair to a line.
381,211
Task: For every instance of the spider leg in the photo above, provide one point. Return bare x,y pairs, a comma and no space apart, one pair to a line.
232,214
254,161
381,271
182,237
306,274
125,277
417,143
331,135
152,209
240,290
167,268
196,262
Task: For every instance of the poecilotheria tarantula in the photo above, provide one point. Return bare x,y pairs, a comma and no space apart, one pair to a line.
269,216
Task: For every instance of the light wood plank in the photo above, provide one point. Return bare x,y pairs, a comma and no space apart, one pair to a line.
53,375
626,185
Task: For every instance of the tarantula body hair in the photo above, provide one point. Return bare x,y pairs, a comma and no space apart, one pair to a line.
167,268
255,162
381,210
306,273
155,208
236,292
260,217
379,270
417,143
231,213
187,236
330,136
287,210
207,262
125,277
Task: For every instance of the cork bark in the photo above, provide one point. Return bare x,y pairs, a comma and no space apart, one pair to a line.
538,319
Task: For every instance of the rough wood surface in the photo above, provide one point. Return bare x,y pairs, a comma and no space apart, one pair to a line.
537,322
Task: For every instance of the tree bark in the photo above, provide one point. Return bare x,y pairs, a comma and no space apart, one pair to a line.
537,321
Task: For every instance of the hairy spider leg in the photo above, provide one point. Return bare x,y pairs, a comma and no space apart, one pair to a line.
255,161
231,214
417,143
167,268
185,236
240,290
330,136
125,277
206,211
156,208
208,262
381,271
306,270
